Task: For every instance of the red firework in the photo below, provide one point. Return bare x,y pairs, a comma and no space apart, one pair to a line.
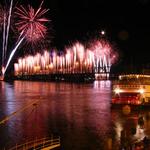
102,48
31,23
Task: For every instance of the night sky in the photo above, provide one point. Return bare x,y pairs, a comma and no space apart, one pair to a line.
126,24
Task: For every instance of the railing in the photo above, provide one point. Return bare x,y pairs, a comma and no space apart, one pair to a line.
38,144
132,81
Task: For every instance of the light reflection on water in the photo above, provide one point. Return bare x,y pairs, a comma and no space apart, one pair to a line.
79,113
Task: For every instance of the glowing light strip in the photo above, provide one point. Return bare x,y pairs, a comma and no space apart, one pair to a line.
8,26
12,54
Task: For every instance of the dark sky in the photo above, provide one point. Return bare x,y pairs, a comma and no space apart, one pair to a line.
126,23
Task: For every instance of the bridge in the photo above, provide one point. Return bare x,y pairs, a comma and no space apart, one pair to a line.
66,67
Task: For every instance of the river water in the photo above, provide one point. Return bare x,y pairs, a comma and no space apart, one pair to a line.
79,113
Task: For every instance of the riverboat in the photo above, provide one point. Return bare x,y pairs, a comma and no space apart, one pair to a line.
131,89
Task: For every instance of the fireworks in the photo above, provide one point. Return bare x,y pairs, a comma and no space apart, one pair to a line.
8,27
11,55
31,26
2,24
75,59
31,23
5,21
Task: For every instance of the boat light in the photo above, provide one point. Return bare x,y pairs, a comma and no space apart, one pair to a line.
141,91
117,90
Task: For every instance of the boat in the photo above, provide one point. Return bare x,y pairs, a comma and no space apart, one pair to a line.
131,89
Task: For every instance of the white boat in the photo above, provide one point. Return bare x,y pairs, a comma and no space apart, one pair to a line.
133,89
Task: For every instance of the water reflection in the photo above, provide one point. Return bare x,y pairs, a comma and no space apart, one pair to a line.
131,129
79,113
102,84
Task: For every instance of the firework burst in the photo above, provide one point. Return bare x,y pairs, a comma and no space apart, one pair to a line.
30,25
103,48
31,22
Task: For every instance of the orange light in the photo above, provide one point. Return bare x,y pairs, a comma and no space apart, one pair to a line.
141,91
117,90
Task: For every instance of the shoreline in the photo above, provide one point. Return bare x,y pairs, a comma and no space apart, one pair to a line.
76,77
